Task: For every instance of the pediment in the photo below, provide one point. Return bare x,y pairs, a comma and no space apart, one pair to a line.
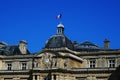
46,54
50,54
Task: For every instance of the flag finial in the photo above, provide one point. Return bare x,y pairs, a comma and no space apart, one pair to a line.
59,16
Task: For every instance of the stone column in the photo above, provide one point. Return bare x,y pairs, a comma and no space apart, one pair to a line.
33,77
38,77
52,77
57,78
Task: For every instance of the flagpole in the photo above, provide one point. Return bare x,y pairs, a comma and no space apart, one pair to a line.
60,18
60,21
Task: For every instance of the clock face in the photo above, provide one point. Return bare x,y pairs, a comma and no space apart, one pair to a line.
47,60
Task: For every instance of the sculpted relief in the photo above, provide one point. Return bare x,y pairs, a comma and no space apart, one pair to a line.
47,60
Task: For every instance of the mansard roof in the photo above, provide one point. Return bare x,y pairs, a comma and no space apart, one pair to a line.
87,45
11,50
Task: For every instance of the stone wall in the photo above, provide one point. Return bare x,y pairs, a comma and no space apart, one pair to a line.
74,64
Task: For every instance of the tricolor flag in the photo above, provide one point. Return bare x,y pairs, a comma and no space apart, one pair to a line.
58,16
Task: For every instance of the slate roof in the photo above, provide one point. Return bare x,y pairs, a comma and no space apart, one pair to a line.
58,41
3,43
11,50
87,46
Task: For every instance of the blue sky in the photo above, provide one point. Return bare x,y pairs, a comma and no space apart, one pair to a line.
34,21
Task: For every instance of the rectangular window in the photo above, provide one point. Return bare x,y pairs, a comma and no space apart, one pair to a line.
9,66
111,63
24,66
92,63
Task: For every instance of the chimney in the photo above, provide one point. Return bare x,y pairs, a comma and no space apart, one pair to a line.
2,44
23,46
106,44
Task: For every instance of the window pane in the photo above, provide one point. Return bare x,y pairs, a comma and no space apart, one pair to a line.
23,66
111,63
9,66
92,63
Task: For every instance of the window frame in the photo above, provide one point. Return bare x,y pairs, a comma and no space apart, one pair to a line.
111,63
9,66
24,66
92,63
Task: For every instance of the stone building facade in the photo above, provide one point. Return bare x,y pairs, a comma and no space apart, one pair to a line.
60,59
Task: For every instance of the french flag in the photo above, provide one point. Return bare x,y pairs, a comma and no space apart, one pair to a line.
58,16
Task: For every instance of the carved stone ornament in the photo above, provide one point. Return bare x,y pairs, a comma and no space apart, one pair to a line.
47,60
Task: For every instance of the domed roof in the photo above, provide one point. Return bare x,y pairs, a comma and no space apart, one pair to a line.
58,41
